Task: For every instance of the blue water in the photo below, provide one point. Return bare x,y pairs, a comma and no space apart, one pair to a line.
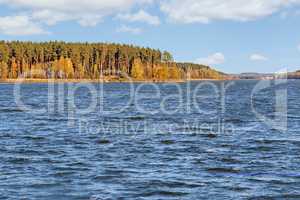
209,145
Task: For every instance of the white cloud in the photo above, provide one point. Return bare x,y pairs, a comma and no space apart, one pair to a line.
205,11
128,29
86,13
141,16
214,59
20,25
74,5
298,47
258,57
49,17
90,20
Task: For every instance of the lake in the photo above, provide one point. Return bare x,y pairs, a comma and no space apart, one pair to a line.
195,140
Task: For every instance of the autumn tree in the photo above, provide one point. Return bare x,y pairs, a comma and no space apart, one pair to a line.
68,68
14,69
175,73
3,70
160,72
137,70
91,60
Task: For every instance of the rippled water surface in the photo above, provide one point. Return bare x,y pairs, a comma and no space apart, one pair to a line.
204,145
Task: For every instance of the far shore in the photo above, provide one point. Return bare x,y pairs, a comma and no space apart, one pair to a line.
99,81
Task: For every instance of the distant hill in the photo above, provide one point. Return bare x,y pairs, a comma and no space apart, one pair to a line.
294,75
253,75
197,71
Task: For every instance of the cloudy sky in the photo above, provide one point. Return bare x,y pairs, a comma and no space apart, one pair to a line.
233,35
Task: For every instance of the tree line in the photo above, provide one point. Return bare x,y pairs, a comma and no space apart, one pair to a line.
62,60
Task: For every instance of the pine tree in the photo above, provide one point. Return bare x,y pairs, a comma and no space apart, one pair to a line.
91,60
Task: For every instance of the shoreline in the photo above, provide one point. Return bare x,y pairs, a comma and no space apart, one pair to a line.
57,81
28,81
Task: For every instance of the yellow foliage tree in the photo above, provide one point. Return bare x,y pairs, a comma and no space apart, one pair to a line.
37,71
174,72
14,69
25,69
137,70
3,70
160,72
80,71
95,72
63,68
68,68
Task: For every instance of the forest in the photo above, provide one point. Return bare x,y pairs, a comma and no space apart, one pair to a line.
66,60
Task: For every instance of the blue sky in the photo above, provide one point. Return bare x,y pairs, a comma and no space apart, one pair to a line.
232,36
